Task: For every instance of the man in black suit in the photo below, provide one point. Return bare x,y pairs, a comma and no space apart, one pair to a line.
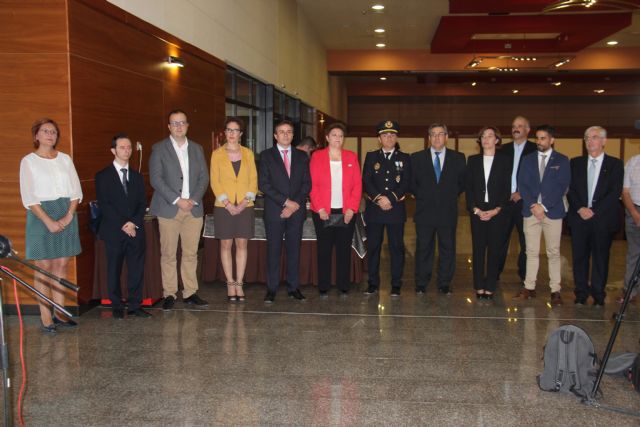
594,214
285,181
437,181
386,177
122,201
515,151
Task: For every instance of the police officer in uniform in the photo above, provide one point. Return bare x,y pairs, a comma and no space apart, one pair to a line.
386,178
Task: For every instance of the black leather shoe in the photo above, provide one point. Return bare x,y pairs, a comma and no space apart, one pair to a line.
395,291
140,312
195,300
580,301
420,290
324,295
598,303
297,295
49,329
445,290
168,303
343,294
68,324
371,290
270,297
118,313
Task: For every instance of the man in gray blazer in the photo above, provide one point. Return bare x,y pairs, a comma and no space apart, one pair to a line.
179,177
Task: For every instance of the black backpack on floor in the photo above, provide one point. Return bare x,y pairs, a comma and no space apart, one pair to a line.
570,362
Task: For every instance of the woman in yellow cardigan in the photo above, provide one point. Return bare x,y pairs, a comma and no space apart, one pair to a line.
234,181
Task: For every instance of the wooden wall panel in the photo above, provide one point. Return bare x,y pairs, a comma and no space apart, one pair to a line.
33,26
569,147
631,148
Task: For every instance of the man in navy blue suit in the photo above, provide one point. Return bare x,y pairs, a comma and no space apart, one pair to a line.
543,182
122,201
285,182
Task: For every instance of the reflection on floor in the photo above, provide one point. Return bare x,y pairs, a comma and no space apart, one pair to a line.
413,360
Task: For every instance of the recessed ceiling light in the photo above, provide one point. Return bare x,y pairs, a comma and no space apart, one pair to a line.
515,91
383,78
612,42
598,91
473,83
377,7
379,30
381,45
557,83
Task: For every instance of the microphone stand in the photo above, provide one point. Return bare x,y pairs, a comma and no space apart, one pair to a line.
4,348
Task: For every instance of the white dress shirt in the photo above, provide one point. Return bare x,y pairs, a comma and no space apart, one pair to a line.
183,157
48,179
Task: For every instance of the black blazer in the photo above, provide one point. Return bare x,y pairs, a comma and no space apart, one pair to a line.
116,207
437,203
606,197
390,178
498,185
277,186
508,151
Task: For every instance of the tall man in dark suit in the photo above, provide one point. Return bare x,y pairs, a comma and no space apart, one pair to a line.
543,182
515,151
285,181
386,179
437,181
179,176
594,214
122,200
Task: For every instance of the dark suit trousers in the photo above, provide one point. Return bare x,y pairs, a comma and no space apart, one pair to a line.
513,218
291,229
425,248
487,244
328,238
588,241
132,250
395,235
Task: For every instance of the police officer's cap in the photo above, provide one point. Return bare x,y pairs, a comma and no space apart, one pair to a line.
388,126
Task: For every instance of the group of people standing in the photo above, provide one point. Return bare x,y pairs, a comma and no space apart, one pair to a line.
522,184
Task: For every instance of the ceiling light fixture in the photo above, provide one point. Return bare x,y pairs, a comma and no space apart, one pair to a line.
379,30
174,61
473,83
598,91
515,91
612,42
381,45
474,63
557,84
615,4
377,7
562,62
383,78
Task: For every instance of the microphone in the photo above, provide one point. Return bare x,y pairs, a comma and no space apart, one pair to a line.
7,252
138,146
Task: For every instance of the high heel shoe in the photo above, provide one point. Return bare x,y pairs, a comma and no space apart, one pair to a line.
480,295
231,286
239,285
488,296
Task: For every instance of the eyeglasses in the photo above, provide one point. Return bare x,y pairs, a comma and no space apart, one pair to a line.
51,132
178,124
438,134
229,130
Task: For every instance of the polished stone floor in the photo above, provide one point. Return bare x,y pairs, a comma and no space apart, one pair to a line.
362,360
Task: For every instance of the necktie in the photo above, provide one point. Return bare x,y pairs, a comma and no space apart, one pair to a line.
287,165
387,155
437,167
124,180
543,164
591,176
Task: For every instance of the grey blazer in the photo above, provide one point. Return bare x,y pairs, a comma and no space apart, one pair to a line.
166,178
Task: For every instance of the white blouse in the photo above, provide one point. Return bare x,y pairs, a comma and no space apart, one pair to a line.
336,184
48,179
487,163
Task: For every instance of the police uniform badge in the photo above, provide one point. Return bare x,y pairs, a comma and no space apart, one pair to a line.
376,166
388,124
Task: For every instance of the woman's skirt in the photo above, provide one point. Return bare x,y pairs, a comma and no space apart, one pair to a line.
43,244
227,226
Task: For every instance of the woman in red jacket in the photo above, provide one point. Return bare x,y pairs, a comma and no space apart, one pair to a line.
336,188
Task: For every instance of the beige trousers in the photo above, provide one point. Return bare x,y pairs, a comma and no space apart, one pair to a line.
552,231
187,228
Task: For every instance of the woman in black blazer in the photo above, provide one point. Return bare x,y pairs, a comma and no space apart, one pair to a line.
488,188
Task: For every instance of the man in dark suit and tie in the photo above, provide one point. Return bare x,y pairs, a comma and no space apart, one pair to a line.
386,178
515,151
179,177
285,181
594,214
543,182
437,181
122,201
